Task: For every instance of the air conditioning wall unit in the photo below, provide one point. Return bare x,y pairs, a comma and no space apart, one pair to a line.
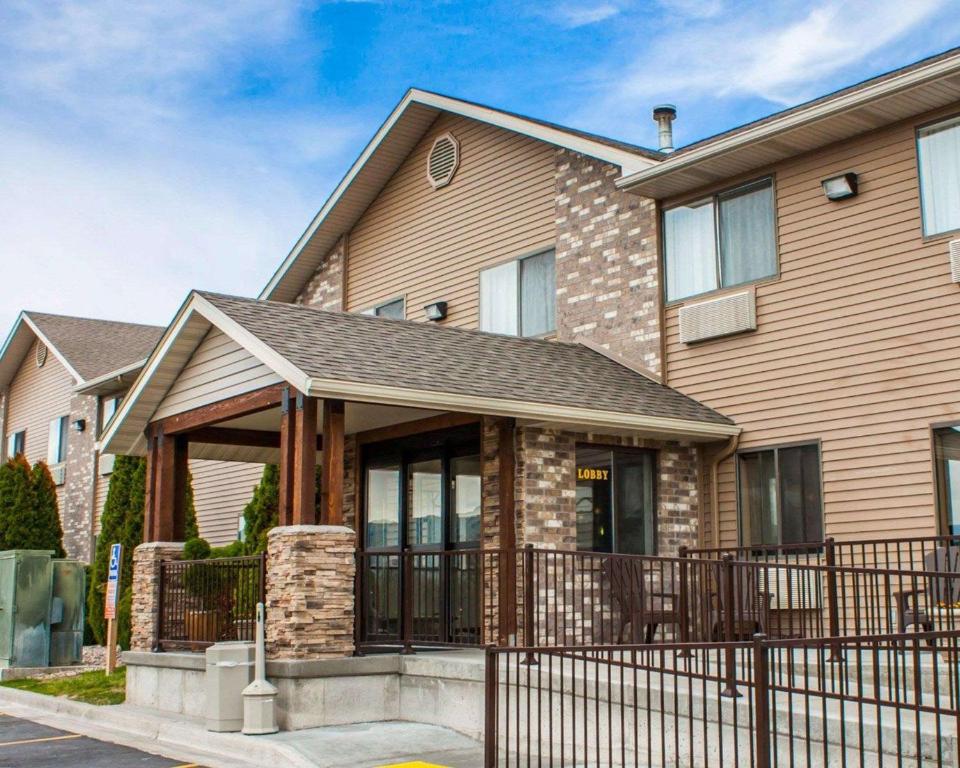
955,261
792,588
723,316
59,473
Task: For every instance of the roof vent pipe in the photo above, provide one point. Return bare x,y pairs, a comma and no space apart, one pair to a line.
665,114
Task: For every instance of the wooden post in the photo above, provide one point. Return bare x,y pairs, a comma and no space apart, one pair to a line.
111,646
149,511
181,472
164,488
506,468
287,433
305,462
331,480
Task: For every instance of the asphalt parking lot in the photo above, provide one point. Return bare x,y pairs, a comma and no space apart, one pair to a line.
25,743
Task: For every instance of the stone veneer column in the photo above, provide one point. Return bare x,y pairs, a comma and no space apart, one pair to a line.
145,610
310,584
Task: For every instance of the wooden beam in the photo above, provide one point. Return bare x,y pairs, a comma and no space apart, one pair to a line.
164,488
149,512
305,461
222,410
251,438
287,431
181,470
506,471
407,428
331,481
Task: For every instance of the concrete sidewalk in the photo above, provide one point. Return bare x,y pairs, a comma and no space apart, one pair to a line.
363,745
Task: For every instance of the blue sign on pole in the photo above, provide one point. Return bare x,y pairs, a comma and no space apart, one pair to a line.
113,582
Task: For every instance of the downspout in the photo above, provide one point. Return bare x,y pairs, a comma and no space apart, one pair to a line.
5,396
726,452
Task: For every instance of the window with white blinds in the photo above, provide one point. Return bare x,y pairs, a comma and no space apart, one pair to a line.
938,149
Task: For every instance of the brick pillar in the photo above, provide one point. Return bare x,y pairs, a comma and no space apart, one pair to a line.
310,583
145,610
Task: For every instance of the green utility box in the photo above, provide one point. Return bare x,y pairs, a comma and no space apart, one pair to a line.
26,588
66,613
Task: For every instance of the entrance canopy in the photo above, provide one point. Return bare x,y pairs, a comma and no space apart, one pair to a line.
220,348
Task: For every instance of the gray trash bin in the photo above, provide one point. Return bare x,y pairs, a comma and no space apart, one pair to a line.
229,671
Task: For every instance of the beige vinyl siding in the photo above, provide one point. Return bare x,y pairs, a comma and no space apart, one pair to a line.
429,244
857,342
99,498
219,368
37,396
221,489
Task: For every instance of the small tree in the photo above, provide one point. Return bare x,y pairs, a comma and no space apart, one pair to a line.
17,499
262,511
122,522
48,532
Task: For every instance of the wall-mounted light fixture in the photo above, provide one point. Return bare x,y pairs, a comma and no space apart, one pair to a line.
840,187
436,311
79,425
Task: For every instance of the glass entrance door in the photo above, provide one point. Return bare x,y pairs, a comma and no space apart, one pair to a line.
424,502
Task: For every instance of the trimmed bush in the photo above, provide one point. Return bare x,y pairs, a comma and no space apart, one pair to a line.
48,532
262,511
29,512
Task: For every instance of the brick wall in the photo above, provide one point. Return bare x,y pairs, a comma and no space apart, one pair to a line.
607,286
325,289
76,495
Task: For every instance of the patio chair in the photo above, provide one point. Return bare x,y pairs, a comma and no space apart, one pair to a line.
639,606
751,607
944,589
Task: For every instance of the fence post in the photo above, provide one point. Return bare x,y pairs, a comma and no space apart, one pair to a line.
358,603
833,612
761,700
158,626
406,600
729,628
491,707
684,601
528,603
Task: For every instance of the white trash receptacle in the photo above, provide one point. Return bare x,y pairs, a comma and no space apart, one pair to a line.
229,671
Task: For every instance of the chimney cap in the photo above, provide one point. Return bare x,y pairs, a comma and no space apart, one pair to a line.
664,110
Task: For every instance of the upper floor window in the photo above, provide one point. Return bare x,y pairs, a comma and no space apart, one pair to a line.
57,441
393,309
725,240
108,407
519,298
946,445
780,496
16,443
938,148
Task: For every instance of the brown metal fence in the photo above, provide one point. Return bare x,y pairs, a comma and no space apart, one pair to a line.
892,702
207,601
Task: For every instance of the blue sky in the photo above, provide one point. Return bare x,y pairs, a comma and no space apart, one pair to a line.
153,146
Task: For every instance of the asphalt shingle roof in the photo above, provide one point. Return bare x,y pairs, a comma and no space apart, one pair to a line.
97,347
422,356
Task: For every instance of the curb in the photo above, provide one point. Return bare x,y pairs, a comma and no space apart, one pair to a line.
142,729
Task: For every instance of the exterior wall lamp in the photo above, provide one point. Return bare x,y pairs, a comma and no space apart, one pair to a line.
840,187
436,311
79,425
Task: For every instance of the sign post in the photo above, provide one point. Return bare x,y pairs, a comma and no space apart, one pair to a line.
110,606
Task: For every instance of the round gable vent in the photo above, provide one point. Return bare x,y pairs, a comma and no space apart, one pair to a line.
41,354
443,160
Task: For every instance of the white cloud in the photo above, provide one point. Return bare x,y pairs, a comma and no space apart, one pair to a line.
573,16
781,57
131,173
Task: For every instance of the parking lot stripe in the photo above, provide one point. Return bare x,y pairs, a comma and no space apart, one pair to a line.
37,741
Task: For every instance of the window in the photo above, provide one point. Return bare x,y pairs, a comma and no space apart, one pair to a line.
616,501
16,443
519,297
946,446
57,442
938,151
383,506
108,407
394,309
720,242
780,496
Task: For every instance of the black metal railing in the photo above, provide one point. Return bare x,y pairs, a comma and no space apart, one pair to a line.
202,602
893,702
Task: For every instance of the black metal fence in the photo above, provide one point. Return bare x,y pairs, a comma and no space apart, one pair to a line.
207,601
893,701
